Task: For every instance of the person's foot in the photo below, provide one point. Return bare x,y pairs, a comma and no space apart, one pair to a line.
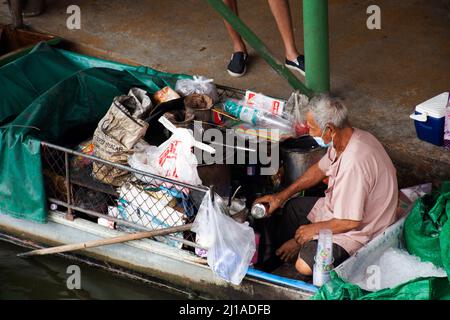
297,64
238,64
288,252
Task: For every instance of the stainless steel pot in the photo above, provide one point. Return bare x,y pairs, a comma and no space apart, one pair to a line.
299,155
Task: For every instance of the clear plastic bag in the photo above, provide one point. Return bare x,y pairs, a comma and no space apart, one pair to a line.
294,110
198,84
230,245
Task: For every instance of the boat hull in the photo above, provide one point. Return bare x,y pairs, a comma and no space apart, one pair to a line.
147,259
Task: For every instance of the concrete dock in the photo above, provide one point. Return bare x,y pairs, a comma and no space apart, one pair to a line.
380,74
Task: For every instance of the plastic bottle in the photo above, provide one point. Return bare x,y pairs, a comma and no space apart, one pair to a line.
257,117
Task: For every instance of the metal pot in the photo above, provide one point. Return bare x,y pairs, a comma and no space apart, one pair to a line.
299,155
200,106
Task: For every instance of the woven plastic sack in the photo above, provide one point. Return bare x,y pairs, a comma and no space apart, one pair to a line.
427,229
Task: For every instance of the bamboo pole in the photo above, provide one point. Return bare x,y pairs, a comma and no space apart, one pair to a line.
103,242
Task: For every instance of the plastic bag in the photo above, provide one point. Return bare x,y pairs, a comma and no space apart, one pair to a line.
262,102
173,159
427,229
86,147
198,84
230,245
295,105
418,289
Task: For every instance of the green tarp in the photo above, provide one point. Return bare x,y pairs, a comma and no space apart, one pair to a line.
43,96
427,235
418,289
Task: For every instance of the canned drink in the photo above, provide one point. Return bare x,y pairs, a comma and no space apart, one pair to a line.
259,211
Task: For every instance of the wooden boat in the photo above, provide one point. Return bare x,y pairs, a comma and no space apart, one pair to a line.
148,260
157,262
15,43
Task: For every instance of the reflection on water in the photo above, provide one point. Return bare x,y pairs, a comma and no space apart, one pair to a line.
45,277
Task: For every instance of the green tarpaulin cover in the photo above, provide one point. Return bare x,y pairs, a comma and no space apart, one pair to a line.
43,96
427,235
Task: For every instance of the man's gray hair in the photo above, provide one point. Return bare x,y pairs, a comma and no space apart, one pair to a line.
328,110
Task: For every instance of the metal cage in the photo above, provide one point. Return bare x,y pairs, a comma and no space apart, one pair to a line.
143,202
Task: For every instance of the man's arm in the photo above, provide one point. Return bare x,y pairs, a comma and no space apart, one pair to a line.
306,233
312,177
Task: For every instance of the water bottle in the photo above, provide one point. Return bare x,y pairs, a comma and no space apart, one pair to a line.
246,114
257,117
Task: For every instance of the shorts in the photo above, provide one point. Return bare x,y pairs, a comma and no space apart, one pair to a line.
309,250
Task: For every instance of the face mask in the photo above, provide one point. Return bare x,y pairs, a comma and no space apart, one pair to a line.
321,143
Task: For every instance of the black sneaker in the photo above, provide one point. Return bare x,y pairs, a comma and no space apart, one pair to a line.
238,64
297,65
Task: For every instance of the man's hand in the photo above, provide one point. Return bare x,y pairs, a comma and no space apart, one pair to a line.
274,201
305,233
288,251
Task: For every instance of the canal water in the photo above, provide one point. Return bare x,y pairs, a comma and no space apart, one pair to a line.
46,277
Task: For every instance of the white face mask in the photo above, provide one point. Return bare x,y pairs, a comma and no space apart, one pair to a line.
322,143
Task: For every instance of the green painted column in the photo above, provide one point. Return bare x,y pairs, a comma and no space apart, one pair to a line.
315,25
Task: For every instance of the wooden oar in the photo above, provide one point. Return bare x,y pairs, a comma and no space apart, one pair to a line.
103,242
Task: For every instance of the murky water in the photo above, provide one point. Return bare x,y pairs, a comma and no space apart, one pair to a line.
46,277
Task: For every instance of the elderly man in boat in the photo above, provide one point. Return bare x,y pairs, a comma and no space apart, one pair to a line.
360,201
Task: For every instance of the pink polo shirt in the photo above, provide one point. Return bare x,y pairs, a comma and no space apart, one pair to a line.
362,187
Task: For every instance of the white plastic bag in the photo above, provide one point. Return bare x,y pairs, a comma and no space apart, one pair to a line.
198,84
173,159
230,245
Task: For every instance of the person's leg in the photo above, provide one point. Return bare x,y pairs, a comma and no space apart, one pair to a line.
305,261
282,14
294,215
237,66
279,231
238,43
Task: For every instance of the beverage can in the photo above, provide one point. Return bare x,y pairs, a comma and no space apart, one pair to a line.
259,211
